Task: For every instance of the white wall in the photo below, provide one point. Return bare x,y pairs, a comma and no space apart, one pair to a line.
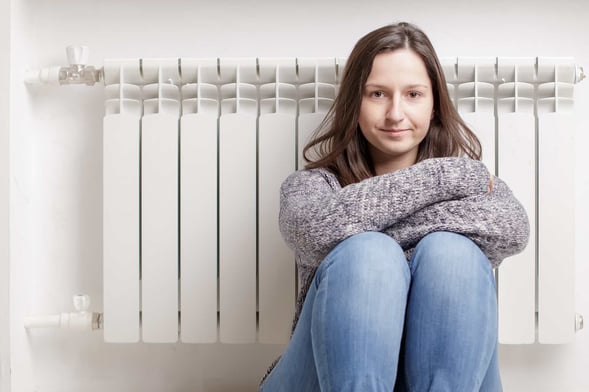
4,194
56,163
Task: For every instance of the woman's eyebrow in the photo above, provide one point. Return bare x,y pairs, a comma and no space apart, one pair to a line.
418,85
415,85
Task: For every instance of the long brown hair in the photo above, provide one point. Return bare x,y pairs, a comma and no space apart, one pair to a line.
339,146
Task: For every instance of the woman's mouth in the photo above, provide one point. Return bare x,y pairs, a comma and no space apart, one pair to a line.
395,130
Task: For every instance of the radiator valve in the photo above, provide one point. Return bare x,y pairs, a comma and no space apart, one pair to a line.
78,72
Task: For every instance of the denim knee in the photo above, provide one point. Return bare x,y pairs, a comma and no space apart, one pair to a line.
450,255
365,252
450,248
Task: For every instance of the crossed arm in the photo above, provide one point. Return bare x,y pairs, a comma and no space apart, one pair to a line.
495,221
449,194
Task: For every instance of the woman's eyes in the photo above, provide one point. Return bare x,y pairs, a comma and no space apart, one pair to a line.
381,94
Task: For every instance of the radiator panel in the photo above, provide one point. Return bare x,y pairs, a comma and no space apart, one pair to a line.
237,228
556,236
198,227
277,136
120,223
159,228
517,275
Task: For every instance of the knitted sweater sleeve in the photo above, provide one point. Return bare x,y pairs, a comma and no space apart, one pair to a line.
495,221
316,213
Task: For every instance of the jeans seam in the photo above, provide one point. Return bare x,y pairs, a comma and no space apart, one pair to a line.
325,282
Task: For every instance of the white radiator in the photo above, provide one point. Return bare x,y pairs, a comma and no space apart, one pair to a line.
194,154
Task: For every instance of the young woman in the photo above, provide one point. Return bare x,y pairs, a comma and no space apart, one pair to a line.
397,226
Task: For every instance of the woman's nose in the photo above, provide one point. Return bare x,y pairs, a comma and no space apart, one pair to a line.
395,111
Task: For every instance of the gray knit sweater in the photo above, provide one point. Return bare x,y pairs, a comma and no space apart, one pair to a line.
440,194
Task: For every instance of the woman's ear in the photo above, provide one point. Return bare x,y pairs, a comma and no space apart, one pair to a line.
433,114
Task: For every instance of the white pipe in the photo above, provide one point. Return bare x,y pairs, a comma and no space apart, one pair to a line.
42,321
49,75
81,320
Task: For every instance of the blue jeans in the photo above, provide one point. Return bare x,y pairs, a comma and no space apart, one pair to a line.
371,321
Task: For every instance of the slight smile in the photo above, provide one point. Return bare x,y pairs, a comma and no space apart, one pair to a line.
395,131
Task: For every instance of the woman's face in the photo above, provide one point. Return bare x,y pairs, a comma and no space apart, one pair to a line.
396,109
